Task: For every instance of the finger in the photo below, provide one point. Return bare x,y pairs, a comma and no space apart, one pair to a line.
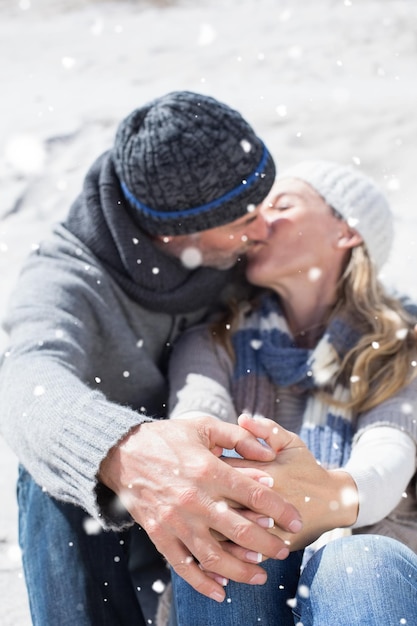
257,474
219,435
278,438
246,533
250,494
210,557
219,579
261,520
251,556
207,583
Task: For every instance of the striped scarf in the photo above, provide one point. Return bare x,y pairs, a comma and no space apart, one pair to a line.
267,358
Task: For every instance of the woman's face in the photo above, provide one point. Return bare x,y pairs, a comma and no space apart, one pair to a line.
304,240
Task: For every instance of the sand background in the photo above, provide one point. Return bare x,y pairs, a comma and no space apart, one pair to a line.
331,78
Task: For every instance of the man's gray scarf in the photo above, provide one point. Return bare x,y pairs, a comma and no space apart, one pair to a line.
102,220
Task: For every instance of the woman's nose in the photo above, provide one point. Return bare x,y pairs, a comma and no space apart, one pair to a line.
259,229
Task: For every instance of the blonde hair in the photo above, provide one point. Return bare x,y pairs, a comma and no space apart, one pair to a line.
385,358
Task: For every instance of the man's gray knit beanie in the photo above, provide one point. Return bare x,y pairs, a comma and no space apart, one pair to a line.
187,162
356,197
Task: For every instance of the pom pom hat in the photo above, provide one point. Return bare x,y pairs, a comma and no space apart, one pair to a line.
356,198
187,162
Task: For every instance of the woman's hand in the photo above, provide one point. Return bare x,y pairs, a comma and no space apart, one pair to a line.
326,499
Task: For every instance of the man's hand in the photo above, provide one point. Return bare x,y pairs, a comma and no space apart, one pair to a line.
326,499
170,479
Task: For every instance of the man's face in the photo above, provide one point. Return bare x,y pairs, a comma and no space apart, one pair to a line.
219,247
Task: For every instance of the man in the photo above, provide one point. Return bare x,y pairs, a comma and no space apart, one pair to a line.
147,249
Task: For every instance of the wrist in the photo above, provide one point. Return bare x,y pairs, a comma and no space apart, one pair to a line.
345,502
111,467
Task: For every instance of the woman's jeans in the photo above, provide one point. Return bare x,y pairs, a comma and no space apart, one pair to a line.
76,577
365,580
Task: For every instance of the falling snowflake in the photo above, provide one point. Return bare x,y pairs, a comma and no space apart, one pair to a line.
68,62
281,110
246,145
96,28
158,586
26,153
401,333
191,257
295,52
314,274
353,222
221,507
206,35
91,526
394,184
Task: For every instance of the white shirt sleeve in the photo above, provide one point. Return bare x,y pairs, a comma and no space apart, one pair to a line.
382,464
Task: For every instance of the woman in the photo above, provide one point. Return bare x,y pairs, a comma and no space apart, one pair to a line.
326,353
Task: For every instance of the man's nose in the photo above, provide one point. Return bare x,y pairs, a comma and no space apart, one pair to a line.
259,229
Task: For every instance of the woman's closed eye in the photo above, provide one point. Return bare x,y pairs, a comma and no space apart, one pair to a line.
283,204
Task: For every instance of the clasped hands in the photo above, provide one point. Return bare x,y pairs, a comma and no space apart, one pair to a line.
208,515
325,499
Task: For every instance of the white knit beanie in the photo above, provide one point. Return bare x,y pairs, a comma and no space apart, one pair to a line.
356,197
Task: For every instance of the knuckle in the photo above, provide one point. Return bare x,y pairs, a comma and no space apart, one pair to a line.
242,534
210,561
186,498
153,528
257,497
183,568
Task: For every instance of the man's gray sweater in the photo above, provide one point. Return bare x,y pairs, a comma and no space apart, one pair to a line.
86,362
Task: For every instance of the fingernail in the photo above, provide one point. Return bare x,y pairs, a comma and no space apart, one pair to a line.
283,553
265,522
221,580
254,557
258,579
266,480
217,595
295,526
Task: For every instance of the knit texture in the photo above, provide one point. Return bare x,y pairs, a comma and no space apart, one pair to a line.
266,357
187,162
356,198
103,221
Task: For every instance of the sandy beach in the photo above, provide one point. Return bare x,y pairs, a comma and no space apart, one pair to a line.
331,79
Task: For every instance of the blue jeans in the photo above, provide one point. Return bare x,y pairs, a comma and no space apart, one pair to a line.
75,577
363,580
